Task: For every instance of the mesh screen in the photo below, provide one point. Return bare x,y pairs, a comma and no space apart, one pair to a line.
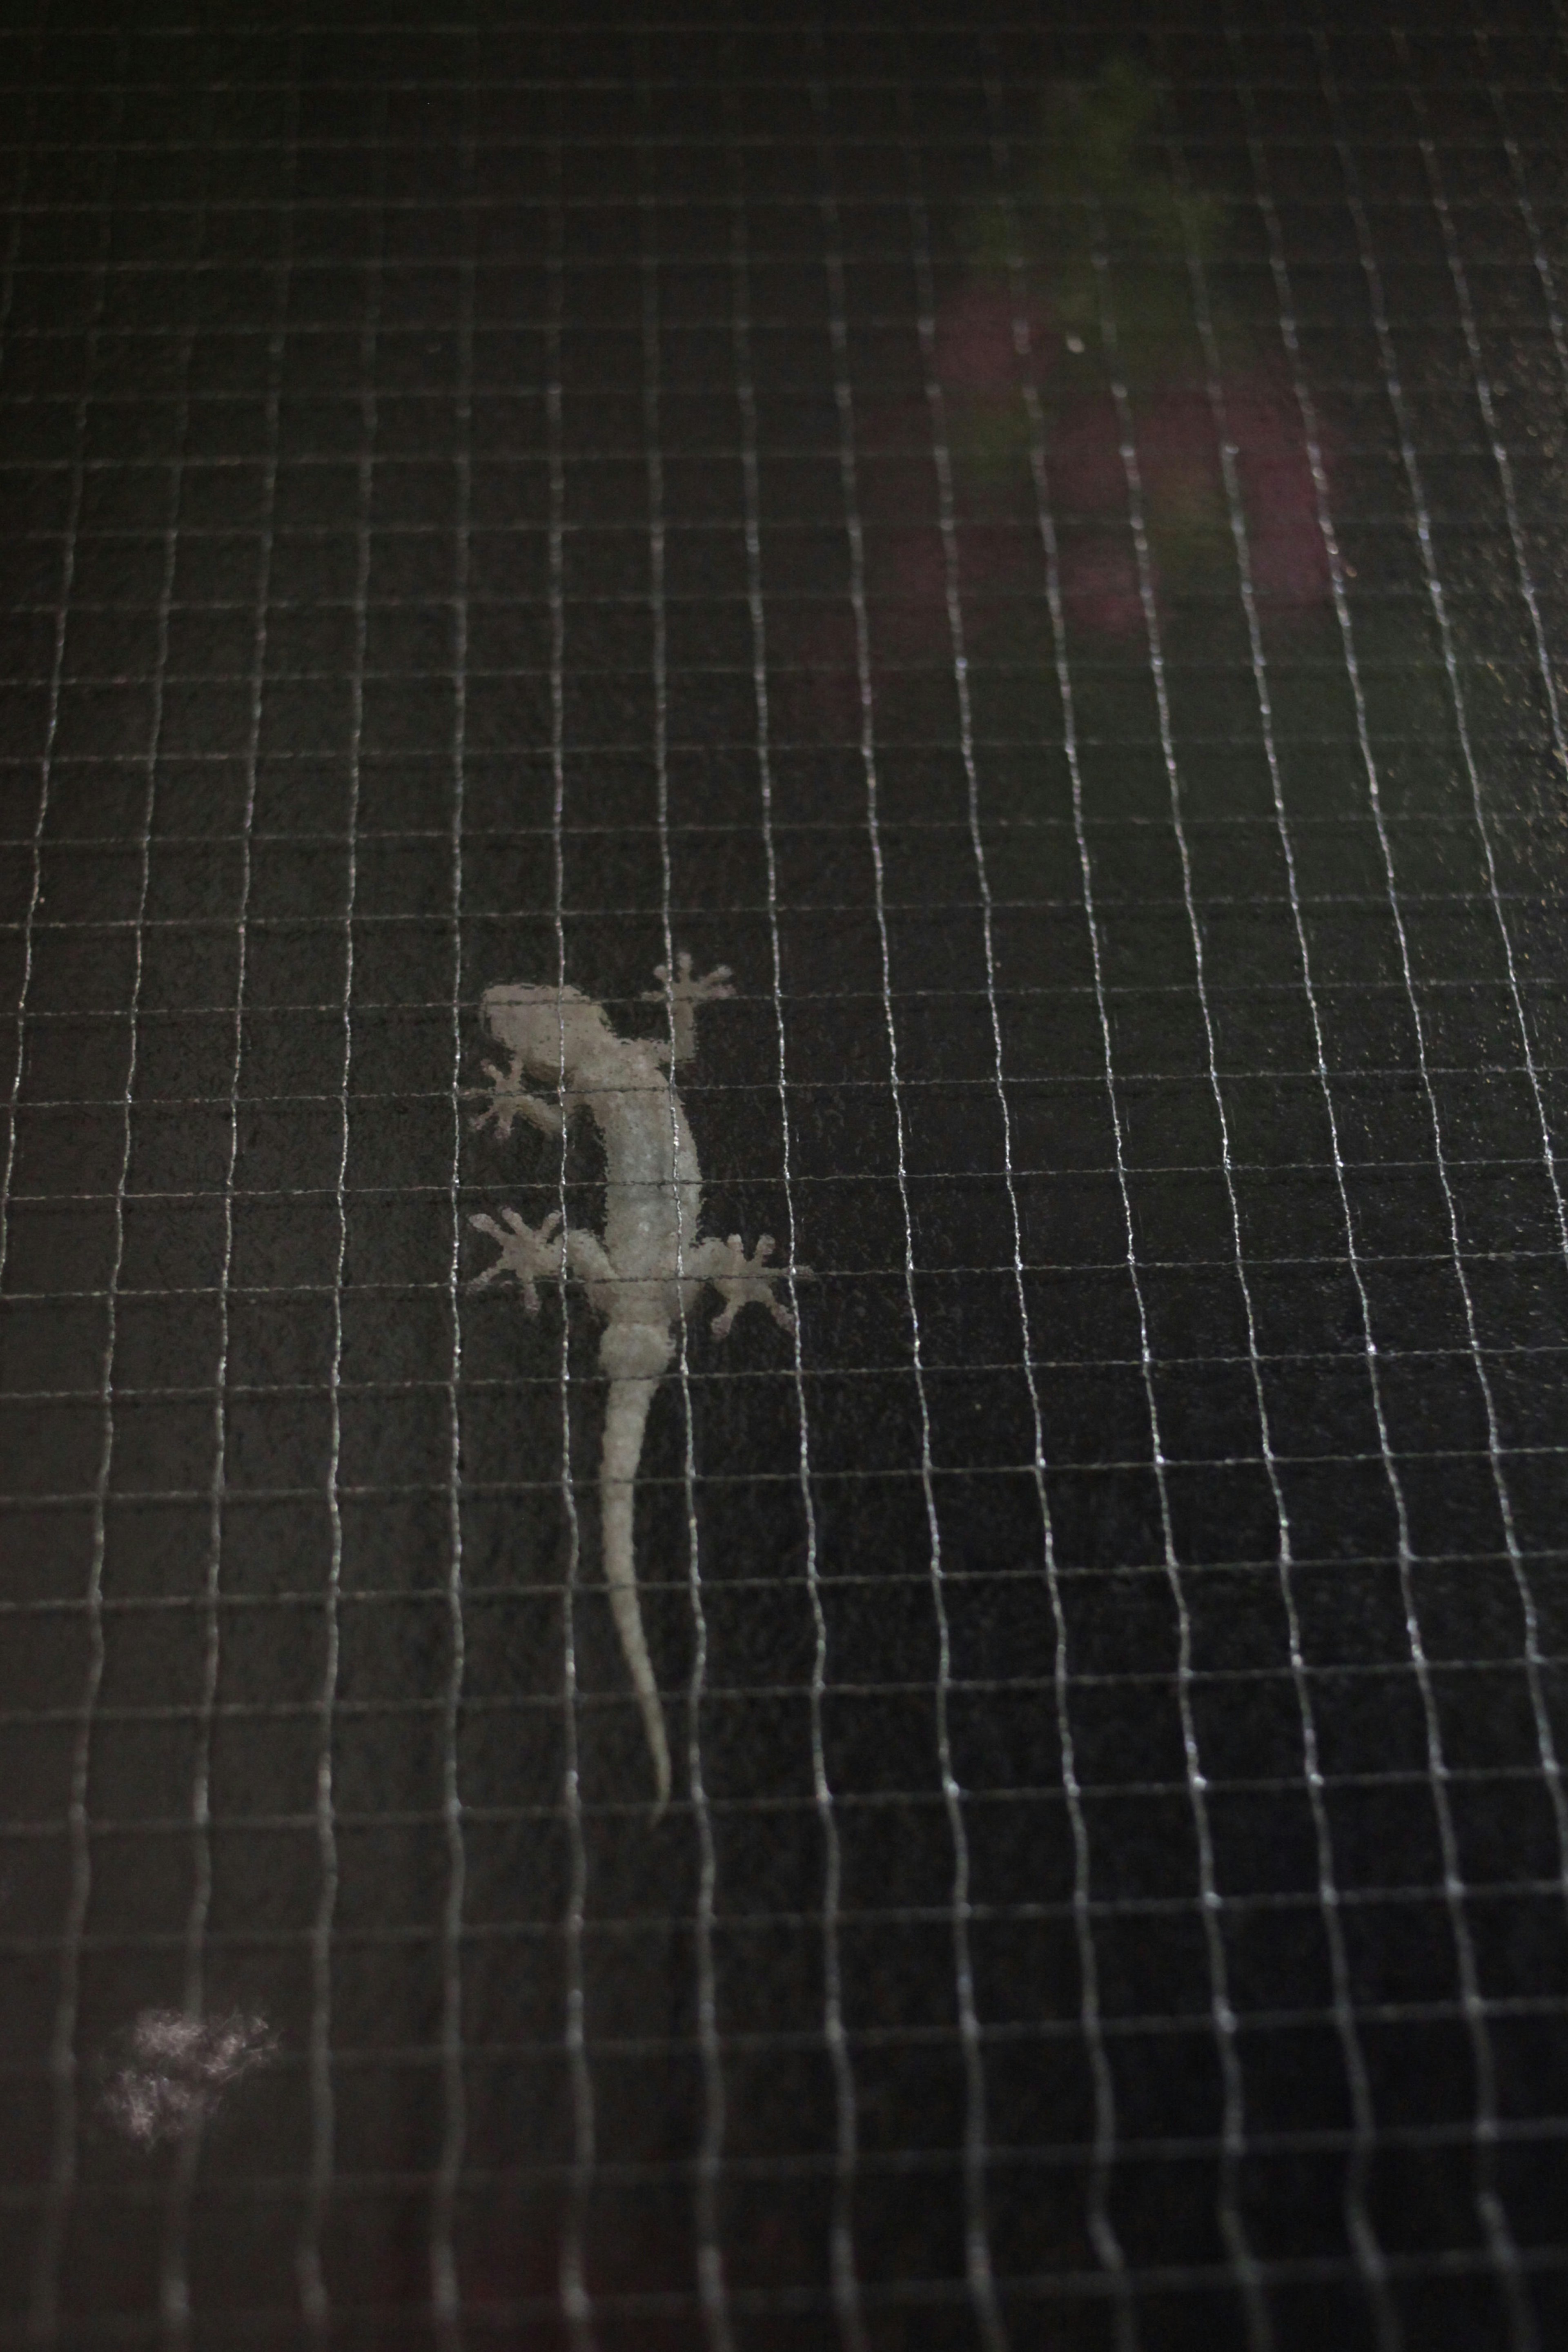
1037,544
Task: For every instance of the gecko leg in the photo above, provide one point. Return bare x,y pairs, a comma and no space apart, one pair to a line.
509,1100
682,994
742,1281
527,1252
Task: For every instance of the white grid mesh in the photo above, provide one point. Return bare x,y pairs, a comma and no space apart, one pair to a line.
490,504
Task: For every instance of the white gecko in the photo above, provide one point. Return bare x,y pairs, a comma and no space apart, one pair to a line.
646,1270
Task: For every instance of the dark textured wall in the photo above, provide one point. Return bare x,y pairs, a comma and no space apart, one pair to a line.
1063,595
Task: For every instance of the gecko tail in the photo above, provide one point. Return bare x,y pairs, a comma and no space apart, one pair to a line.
635,1356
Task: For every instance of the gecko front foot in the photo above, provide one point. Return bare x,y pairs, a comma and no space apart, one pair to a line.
681,994
741,1281
683,988
529,1252
506,1096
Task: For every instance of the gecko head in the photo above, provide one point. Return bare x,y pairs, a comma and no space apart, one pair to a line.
547,1028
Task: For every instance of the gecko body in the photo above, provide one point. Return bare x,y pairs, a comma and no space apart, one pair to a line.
645,1272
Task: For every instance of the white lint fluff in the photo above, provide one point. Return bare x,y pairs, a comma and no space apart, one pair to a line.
176,2069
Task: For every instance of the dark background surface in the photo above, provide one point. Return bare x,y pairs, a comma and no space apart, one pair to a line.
1065,597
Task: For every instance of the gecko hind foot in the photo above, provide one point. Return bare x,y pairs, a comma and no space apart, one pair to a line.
742,1281
528,1253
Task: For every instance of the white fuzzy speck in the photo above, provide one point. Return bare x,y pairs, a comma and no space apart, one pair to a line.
176,2069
